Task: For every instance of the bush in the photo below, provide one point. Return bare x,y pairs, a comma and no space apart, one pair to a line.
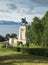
18,49
25,50
36,51
27,45
2,39
3,45
46,53
18,44
12,48
39,51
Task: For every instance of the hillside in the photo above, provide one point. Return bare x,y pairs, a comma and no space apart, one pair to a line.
2,22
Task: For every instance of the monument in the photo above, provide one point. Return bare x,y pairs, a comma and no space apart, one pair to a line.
22,34
22,31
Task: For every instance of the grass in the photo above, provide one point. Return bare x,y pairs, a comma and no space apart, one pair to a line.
11,57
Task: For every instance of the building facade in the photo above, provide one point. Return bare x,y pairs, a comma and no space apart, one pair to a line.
22,34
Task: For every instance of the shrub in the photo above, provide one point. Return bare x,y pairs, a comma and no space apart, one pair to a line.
46,52
18,49
39,51
25,50
4,45
2,39
36,51
18,44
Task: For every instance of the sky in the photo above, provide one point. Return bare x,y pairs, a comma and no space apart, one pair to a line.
14,10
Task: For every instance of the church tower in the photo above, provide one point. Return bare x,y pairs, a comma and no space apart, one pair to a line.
22,31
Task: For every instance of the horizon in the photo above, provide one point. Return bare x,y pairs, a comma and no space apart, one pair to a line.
14,10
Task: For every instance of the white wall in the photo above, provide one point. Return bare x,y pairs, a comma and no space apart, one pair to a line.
13,41
22,34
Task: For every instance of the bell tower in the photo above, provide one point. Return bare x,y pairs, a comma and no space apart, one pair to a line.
22,31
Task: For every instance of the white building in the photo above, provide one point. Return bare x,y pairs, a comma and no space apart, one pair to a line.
13,41
22,36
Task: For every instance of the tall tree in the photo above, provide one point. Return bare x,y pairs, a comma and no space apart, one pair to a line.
45,34
36,31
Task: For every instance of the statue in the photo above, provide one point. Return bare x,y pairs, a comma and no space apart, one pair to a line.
24,22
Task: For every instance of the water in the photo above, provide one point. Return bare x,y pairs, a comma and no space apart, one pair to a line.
5,29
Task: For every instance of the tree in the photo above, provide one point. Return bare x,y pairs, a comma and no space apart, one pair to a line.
45,34
45,19
28,34
2,39
13,35
7,36
36,31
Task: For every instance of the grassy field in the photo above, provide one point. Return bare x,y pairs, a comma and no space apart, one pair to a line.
11,57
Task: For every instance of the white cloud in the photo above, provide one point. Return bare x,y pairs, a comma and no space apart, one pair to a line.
16,9
17,17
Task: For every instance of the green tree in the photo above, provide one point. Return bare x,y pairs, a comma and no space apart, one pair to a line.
45,19
2,39
36,31
45,33
28,34
13,35
7,36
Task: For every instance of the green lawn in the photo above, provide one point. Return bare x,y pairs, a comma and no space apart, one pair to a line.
11,57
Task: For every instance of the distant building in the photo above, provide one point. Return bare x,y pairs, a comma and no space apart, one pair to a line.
13,41
22,35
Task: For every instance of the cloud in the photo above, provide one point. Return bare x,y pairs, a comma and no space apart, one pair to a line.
41,2
6,11
23,6
12,6
15,9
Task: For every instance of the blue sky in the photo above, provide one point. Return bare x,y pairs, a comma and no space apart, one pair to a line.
14,10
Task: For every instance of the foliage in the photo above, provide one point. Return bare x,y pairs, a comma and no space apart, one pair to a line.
10,57
39,51
18,44
45,33
13,35
36,51
2,38
25,50
38,31
7,36
32,51
18,49
10,35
